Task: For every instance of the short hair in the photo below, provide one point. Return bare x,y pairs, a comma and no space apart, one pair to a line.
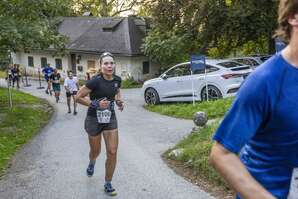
285,10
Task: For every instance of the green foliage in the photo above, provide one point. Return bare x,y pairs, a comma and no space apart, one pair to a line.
130,83
2,74
166,48
32,25
214,109
217,28
20,124
196,149
104,8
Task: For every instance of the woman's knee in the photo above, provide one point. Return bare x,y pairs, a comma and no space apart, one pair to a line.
112,151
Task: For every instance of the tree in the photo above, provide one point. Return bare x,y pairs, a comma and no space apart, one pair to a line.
212,27
28,25
105,8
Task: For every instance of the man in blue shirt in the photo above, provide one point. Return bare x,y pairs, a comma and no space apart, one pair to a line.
262,124
47,71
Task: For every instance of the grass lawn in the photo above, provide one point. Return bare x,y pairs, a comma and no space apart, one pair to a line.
193,162
214,109
196,149
20,124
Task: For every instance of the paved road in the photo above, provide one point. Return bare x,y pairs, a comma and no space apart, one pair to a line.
52,165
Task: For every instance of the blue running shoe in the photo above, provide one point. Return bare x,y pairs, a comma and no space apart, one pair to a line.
109,189
90,170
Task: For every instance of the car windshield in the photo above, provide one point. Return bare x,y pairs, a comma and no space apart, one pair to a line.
229,64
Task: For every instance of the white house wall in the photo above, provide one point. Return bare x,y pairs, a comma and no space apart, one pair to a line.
21,58
125,66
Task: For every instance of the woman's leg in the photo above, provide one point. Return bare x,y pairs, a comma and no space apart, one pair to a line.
111,140
74,104
95,147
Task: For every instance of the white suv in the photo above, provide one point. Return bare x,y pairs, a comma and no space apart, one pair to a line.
224,78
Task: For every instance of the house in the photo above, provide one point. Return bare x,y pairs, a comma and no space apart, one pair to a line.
88,38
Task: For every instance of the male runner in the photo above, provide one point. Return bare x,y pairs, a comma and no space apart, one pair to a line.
55,79
47,71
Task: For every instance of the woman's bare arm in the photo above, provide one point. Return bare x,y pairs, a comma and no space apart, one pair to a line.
81,96
236,175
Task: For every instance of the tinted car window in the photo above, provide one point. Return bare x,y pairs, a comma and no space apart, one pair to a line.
181,70
250,62
229,64
209,69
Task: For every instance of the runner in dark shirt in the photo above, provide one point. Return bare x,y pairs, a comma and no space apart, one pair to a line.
104,91
55,79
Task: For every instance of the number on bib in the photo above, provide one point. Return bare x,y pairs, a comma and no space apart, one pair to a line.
103,116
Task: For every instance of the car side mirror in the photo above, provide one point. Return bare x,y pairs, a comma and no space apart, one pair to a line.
164,76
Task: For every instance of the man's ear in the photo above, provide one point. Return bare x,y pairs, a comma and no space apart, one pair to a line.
293,20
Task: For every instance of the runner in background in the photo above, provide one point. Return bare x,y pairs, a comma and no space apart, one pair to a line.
71,86
55,80
47,71
15,76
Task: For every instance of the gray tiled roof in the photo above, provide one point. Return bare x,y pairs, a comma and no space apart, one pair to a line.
118,35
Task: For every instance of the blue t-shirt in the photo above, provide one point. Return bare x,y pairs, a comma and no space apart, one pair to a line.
47,72
262,125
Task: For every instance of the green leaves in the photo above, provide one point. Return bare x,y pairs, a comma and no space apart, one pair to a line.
217,28
31,24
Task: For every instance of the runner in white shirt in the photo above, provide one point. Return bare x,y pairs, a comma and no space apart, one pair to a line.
71,86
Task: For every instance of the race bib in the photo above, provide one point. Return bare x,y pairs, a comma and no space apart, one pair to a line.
293,193
103,116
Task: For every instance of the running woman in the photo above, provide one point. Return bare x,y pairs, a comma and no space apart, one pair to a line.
262,124
55,79
104,91
47,71
71,86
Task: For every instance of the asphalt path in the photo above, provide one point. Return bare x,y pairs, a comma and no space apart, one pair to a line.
53,164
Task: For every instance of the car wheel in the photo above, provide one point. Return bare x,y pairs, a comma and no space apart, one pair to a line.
213,93
151,96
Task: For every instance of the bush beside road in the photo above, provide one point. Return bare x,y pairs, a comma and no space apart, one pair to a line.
2,74
18,125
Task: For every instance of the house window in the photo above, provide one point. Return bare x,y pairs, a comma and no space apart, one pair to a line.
30,61
43,62
91,64
58,63
146,67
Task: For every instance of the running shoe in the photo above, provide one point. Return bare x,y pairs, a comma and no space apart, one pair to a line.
75,113
109,189
90,170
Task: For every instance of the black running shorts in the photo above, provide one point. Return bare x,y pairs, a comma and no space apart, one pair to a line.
93,128
70,94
